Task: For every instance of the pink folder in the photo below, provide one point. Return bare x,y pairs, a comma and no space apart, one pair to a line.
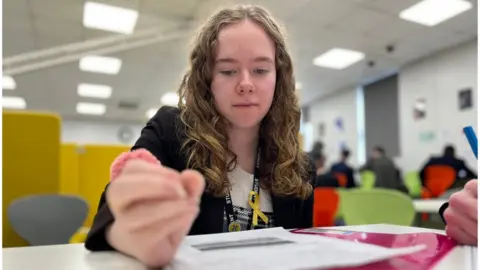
437,246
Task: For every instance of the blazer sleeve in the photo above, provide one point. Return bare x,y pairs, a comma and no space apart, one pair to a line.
157,138
307,211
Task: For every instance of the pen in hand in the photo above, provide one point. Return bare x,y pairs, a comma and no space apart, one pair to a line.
472,139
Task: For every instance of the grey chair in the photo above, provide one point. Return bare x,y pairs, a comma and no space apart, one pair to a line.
47,219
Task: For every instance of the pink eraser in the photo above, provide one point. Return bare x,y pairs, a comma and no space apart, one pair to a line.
120,162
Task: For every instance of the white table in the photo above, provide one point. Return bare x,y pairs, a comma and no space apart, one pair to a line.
75,257
428,206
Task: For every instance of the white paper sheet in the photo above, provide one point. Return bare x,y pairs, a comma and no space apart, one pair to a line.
474,257
277,249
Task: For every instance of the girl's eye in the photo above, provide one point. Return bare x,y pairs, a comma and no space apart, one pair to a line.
228,72
261,71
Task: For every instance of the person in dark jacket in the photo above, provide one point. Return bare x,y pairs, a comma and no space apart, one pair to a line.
229,149
343,167
386,173
324,178
449,159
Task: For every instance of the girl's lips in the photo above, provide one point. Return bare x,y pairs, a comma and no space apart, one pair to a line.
245,105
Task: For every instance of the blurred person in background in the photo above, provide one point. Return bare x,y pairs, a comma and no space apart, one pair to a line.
343,167
317,149
449,159
193,168
386,173
324,177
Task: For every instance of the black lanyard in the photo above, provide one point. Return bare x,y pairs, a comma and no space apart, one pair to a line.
233,225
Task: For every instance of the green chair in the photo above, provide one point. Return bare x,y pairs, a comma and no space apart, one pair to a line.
367,179
414,184
376,206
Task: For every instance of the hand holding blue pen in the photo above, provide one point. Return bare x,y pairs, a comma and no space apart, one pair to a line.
461,212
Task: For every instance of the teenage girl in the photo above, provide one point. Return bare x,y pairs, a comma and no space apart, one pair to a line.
227,159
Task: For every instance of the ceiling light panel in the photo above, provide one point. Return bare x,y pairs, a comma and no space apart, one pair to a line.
170,99
94,90
109,18
14,103
91,108
338,58
433,12
8,83
100,64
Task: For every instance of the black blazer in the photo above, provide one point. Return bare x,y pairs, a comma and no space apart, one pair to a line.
162,136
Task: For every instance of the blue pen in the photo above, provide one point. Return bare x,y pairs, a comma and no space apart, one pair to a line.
472,139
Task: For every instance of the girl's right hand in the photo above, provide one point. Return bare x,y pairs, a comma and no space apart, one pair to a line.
154,208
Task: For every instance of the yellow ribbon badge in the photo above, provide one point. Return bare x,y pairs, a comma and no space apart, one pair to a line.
254,202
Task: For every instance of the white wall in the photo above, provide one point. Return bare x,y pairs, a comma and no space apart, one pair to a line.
83,132
327,110
438,79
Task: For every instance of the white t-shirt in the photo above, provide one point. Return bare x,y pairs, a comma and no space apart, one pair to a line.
242,183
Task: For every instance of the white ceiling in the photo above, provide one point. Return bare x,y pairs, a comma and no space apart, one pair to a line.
313,27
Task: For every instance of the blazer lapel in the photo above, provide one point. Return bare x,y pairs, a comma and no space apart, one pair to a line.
284,211
210,220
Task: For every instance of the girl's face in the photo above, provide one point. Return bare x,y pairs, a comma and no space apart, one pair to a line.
244,74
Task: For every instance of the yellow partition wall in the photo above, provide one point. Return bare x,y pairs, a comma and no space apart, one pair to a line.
69,164
94,172
31,150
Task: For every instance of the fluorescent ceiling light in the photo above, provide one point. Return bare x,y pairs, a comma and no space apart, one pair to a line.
13,103
151,113
100,64
109,18
8,83
338,58
91,108
94,90
433,12
170,99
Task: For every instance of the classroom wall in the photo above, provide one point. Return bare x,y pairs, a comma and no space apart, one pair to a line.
84,132
437,79
328,111
381,106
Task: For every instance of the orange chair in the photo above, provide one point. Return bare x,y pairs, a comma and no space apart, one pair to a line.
439,178
326,202
341,178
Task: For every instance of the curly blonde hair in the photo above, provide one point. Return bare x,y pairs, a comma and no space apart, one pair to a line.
284,168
